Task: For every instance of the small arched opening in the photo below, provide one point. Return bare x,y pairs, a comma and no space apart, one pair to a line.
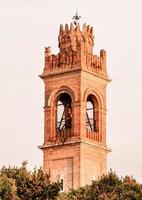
64,114
92,114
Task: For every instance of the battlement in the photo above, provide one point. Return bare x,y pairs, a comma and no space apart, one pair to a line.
75,51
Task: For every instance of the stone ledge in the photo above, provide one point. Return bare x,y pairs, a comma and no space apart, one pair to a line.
58,144
78,141
99,146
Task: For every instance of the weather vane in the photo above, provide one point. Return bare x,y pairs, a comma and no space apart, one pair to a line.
76,18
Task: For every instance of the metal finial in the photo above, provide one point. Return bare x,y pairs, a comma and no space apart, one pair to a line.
76,18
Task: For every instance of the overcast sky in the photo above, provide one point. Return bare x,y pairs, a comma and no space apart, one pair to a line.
26,27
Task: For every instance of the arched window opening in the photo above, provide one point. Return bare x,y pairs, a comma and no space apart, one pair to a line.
91,114
64,113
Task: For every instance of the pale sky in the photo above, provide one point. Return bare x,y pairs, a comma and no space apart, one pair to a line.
26,27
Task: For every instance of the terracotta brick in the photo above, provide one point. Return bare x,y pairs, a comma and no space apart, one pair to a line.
81,156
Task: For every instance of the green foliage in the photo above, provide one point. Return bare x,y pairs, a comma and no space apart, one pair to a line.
7,188
21,184
29,185
108,187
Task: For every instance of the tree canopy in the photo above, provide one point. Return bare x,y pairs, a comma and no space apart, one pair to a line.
107,187
21,184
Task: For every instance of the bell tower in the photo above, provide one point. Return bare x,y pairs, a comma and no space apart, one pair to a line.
74,148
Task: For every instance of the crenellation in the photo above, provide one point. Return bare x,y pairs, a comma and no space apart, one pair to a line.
66,28
91,30
84,27
75,49
77,28
88,28
61,29
71,27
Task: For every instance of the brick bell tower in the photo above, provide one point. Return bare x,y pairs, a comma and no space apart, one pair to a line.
74,148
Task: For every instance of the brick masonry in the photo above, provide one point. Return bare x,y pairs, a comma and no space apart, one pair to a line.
80,156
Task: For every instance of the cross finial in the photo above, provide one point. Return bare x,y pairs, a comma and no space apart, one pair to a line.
76,18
